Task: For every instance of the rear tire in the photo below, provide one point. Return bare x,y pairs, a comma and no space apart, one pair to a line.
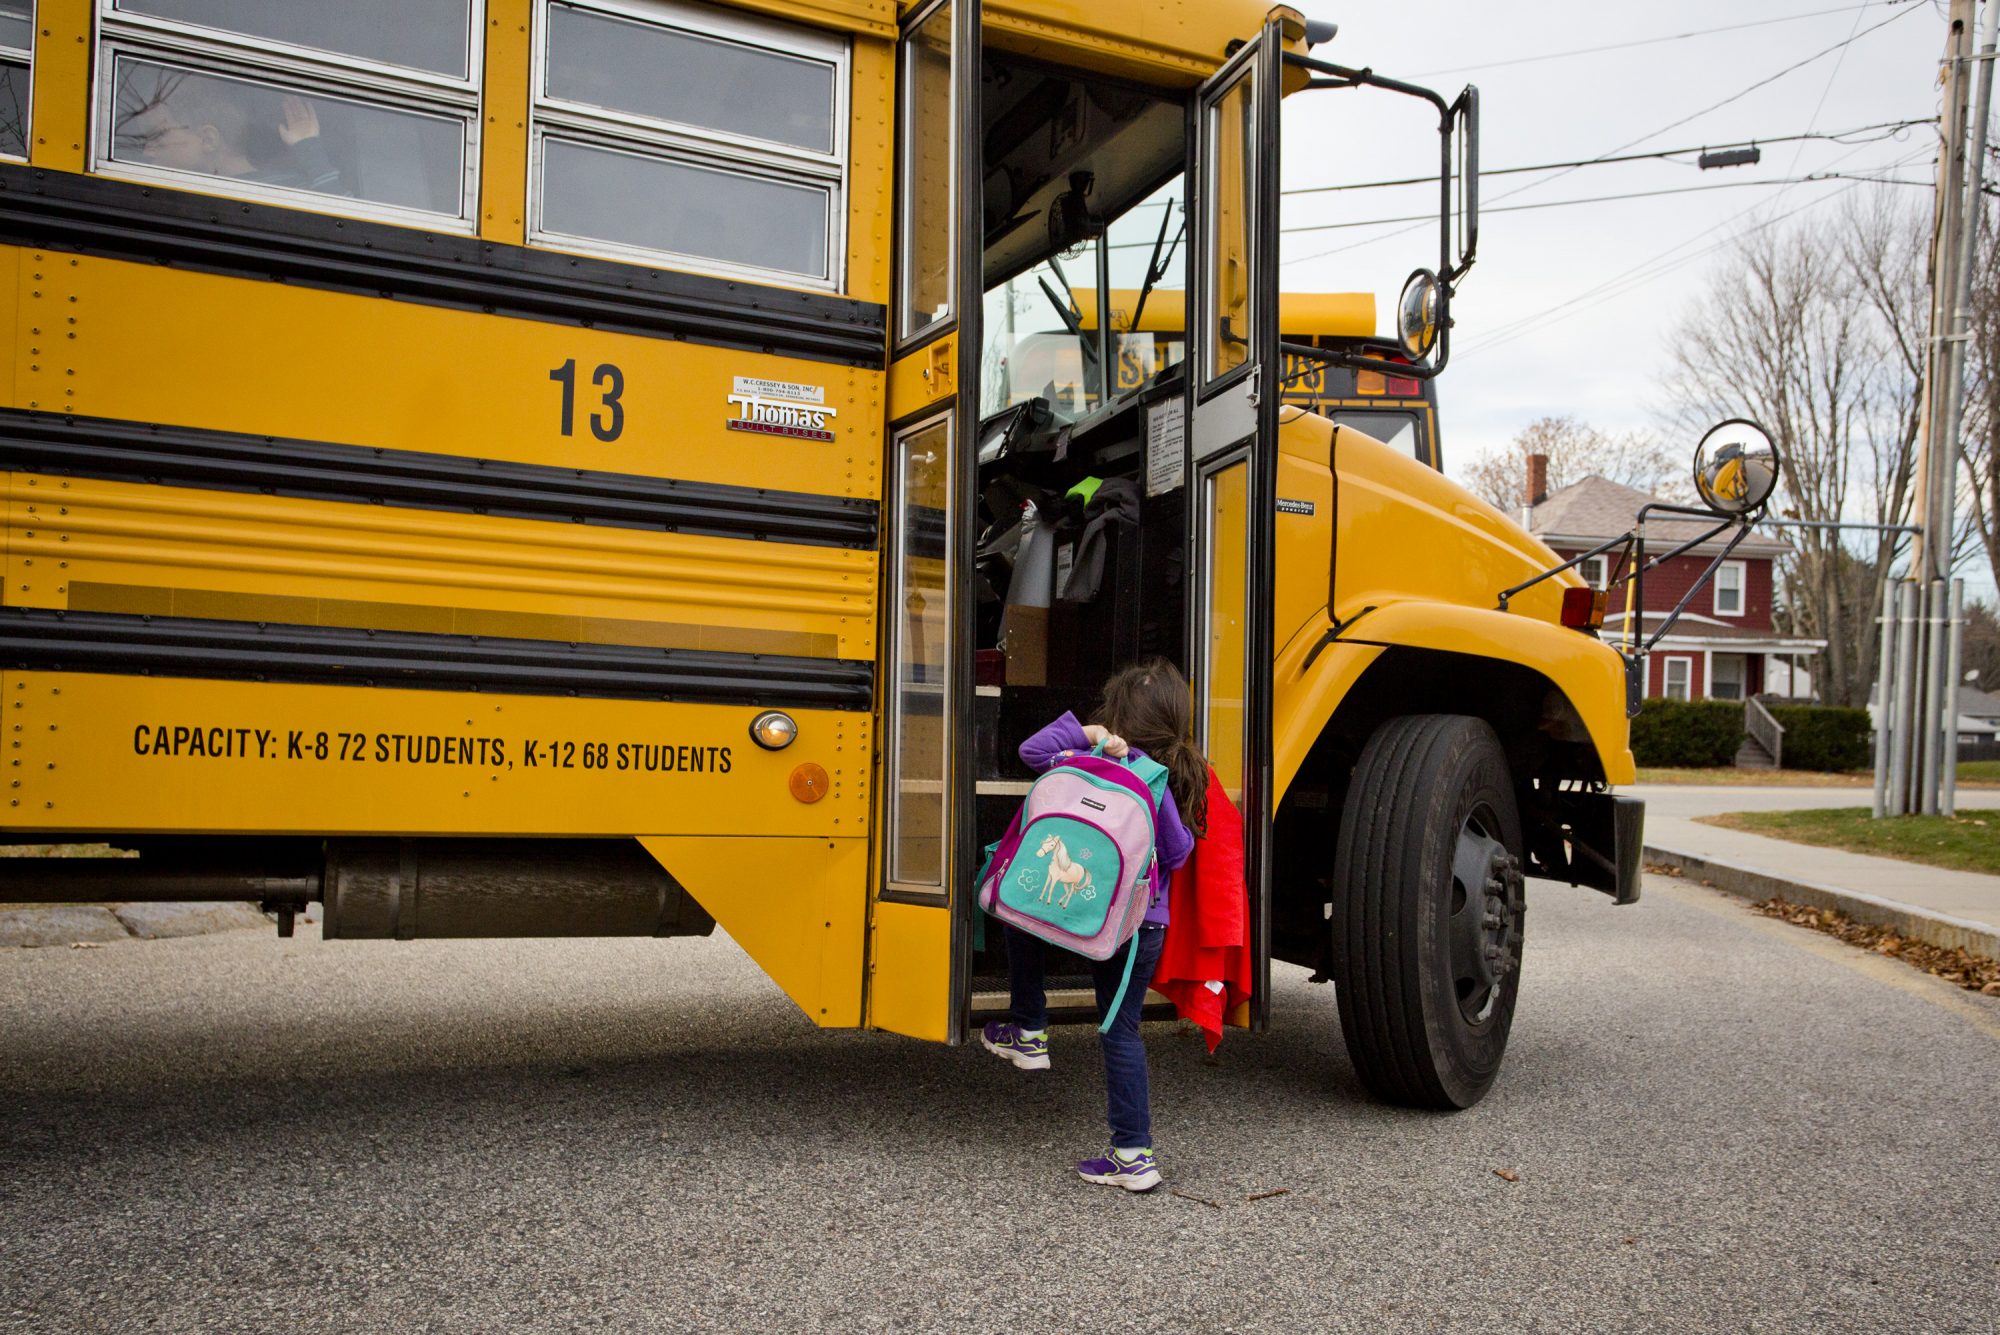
1428,915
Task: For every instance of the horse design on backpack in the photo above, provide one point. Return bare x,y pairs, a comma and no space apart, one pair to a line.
1072,876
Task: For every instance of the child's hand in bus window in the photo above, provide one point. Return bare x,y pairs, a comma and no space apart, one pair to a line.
300,121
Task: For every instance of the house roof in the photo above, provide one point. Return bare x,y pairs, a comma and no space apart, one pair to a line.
1596,508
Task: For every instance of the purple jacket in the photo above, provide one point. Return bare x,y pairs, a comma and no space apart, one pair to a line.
1064,738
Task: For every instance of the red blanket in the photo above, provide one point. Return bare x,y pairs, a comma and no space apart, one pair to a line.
1208,926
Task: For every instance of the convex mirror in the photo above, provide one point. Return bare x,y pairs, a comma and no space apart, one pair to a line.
1420,314
1736,467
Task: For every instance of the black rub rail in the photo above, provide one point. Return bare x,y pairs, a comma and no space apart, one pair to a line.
314,470
121,220
40,640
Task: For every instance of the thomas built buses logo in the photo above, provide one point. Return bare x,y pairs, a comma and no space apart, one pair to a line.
781,408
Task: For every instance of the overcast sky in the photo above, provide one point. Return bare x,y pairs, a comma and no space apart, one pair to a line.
1611,277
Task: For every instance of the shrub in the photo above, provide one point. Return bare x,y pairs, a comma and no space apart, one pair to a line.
1689,734
1825,737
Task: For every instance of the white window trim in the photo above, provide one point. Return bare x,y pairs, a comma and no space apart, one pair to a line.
319,73
1603,570
1742,589
699,146
196,39
27,121
1667,662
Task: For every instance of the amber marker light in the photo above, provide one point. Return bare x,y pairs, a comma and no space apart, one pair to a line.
809,783
773,730
1583,609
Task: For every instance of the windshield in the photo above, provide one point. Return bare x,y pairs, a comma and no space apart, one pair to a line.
1044,327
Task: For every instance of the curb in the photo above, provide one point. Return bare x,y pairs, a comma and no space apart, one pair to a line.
1753,884
100,924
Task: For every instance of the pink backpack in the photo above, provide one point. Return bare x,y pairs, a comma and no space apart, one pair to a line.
1077,864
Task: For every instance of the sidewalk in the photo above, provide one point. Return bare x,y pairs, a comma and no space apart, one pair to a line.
1946,908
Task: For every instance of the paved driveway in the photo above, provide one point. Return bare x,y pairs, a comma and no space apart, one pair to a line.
1717,1122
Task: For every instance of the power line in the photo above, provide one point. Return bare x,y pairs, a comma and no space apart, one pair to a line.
1644,41
1660,265
1600,199
1532,185
1832,136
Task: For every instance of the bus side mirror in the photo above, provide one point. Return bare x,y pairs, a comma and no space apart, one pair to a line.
1464,137
1736,467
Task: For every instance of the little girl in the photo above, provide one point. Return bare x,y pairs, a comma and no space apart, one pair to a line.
1146,712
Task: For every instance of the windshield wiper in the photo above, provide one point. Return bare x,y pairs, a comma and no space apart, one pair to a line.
1156,267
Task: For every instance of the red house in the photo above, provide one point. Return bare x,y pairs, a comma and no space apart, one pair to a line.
1724,647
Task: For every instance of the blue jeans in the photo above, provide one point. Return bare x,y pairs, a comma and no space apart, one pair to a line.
1128,1105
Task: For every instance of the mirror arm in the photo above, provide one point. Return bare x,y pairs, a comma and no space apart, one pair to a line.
1685,547
1577,560
1355,361
1340,76
1742,532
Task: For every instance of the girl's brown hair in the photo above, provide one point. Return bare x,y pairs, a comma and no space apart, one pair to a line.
1150,706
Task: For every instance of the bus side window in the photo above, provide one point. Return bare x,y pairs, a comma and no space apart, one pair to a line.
370,101
17,46
713,138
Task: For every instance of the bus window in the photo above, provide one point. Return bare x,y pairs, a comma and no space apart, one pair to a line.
717,139
1232,148
17,45
927,224
1397,430
372,103
428,35
255,133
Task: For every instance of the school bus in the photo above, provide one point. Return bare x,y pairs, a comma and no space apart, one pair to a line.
1397,409
526,467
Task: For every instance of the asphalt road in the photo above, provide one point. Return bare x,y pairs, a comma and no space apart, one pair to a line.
1717,1122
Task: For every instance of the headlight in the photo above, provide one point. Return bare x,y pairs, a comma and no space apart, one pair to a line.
773,730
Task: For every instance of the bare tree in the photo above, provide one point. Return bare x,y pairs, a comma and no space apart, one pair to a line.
1575,450
1816,332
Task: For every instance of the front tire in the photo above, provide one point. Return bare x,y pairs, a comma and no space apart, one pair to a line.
1427,921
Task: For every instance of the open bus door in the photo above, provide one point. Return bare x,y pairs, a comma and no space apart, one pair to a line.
919,942
1231,450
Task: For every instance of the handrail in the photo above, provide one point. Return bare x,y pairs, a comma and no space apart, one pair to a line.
1764,729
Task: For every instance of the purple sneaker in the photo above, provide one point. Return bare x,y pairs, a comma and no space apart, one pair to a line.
1006,1040
1134,1170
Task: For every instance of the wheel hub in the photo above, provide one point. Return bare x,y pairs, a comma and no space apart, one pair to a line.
1487,904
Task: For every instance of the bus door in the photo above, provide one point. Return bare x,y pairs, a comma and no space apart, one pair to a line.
919,941
1231,449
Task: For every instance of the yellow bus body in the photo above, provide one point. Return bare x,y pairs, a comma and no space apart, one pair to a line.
573,691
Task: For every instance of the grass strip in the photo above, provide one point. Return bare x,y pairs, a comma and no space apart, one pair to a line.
1969,842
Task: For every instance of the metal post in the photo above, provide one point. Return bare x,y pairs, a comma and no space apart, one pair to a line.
1934,690
1906,701
1954,665
1883,710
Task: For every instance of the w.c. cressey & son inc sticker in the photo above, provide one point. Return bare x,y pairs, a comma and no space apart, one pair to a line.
781,408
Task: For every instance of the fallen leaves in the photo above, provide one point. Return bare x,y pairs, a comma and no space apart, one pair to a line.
1975,973
1506,1175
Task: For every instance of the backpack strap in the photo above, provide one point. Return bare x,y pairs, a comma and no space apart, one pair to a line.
1153,774
1118,997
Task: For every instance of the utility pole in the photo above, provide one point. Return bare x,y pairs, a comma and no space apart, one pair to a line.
1923,755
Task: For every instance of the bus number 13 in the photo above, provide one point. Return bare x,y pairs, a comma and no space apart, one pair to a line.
608,420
